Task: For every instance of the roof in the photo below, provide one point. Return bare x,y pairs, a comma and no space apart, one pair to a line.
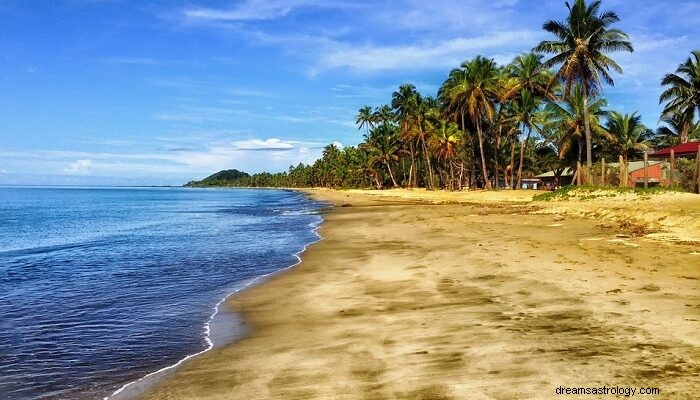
634,165
631,167
567,172
689,148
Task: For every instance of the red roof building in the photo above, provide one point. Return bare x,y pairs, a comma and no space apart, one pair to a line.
689,149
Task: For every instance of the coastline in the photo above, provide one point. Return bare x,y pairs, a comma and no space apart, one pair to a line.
139,387
411,299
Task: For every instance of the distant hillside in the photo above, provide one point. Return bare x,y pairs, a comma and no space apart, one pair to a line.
227,177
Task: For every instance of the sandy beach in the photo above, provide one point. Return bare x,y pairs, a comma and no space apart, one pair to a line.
435,295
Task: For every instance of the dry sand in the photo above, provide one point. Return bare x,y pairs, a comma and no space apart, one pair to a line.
405,299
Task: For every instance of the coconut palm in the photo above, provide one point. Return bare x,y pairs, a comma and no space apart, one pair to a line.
524,108
683,93
405,103
444,140
629,135
384,114
383,144
580,48
570,120
531,75
365,118
470,91
668,135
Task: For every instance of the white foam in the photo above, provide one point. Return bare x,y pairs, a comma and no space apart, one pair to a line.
207,326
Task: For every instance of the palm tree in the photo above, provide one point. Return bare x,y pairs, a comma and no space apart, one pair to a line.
580,48
405,102
384,114
445,137
683,93
365,118
382,143
570,119
535,84
506,88
525,108
668,135
532,75
470,90
629,134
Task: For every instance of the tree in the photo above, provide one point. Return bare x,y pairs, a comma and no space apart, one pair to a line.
383,145
570,120
365,118
682,97
668,135
535,84
580,48
405,103
470,91
629,135
445,138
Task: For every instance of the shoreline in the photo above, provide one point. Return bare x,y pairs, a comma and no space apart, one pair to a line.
137,388
280,310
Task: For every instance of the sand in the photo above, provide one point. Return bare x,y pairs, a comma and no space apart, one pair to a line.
470,298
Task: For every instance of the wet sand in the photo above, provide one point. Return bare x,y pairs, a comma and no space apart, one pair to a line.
406,299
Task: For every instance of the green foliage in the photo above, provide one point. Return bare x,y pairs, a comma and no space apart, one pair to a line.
589,192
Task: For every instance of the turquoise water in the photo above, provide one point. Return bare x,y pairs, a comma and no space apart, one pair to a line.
101,286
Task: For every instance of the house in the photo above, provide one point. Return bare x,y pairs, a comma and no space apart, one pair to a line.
685,150
659,173
549,179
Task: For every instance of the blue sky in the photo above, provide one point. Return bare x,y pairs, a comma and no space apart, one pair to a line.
109,92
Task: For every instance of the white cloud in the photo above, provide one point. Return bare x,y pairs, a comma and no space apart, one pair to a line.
251,10
447,53
78,167
267,144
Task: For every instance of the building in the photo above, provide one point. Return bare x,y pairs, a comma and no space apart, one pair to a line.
659,174
549,179
684,150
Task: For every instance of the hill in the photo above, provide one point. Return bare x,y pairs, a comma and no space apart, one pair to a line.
227,177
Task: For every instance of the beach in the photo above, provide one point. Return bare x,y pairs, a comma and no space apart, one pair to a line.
435,295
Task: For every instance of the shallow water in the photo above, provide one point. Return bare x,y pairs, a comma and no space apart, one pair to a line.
100,286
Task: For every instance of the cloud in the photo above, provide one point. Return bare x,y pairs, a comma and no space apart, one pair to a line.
78,167
267,144
251,10
441,54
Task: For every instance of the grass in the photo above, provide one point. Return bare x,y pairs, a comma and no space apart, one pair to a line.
589,192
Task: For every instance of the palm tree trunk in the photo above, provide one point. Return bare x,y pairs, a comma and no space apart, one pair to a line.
391,174
587,129
512,164
412,171
483,157
427,161
495,162
522,157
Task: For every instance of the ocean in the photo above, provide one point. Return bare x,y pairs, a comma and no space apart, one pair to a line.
102,286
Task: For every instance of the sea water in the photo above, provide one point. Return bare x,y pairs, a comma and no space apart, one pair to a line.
100,287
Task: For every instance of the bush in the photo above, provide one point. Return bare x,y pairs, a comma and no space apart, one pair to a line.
685,172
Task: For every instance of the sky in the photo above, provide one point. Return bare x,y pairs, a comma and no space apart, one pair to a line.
111,92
